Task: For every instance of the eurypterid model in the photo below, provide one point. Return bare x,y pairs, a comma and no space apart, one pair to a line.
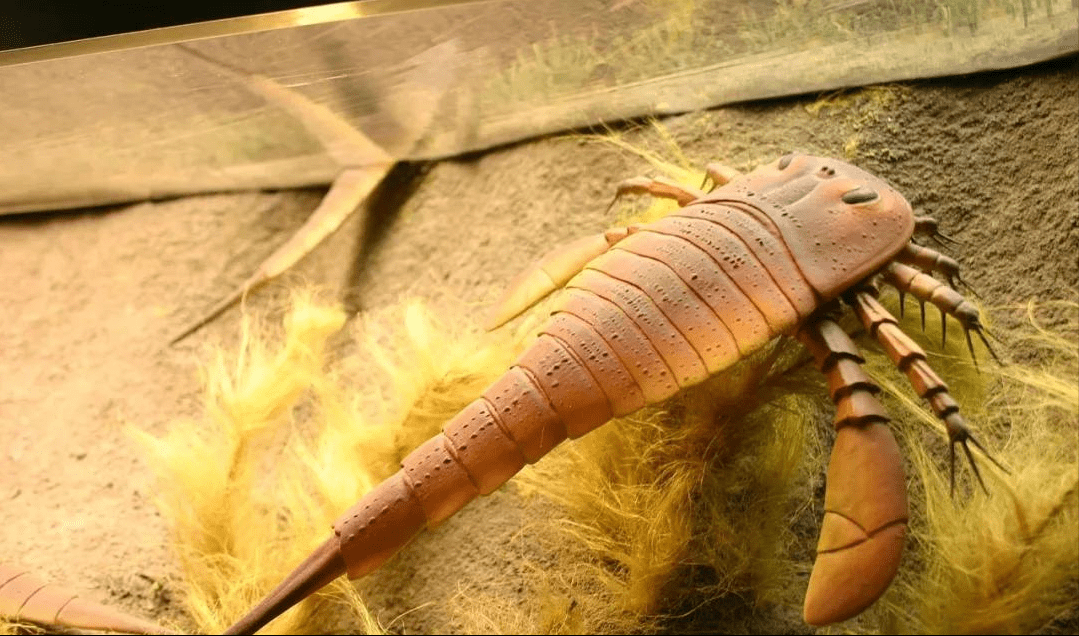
648,310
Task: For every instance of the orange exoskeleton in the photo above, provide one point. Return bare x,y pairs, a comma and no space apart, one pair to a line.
26,597
651,309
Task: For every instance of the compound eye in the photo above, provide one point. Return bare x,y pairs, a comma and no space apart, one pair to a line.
861,194
785,161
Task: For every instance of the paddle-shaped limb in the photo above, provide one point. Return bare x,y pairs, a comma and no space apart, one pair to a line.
555,268
549,273
865,504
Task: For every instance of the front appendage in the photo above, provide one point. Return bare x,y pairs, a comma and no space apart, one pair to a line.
865,504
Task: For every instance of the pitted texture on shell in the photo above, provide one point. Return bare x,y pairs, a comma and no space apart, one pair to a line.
378,525
680,357
483,446
523,410
742,319
672,302
568,385
834,243
637,353
763,239
438,480
622,391
739,264
683,307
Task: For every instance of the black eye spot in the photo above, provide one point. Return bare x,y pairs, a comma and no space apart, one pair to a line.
785,161
860,194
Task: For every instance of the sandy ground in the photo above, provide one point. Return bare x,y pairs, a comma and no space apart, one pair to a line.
88,300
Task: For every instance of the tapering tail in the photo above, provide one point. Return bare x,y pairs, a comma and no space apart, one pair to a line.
317,570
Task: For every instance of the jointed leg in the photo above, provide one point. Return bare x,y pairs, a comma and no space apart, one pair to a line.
865,504
911,360
950,302
838,358
931,260
667,189
657,187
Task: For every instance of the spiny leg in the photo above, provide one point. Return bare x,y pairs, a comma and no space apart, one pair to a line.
865,504
909,358
950,302
930,260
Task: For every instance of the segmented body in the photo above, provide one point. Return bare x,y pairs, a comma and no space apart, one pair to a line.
671,303
652,309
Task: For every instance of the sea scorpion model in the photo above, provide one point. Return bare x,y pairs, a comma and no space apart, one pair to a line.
650,309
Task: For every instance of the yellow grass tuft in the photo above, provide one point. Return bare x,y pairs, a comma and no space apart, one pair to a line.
9,628
284,448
